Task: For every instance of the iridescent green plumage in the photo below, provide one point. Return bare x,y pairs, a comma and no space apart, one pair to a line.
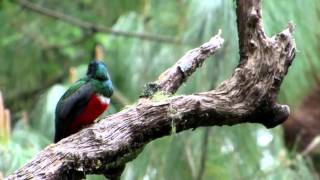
73,106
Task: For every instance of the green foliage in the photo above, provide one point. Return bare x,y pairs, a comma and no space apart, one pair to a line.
23,145
37,49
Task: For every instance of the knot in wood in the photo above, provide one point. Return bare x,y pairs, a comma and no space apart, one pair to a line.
252,45
253,18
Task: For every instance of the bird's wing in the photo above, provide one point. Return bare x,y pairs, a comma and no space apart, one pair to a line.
70,105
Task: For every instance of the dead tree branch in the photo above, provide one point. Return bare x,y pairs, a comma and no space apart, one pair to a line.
172,78
249,96
95,27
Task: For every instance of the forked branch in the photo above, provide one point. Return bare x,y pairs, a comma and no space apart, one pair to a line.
248,96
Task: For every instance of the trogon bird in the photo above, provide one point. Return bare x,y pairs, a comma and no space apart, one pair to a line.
84,101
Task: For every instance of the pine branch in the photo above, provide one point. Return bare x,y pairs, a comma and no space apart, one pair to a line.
249,96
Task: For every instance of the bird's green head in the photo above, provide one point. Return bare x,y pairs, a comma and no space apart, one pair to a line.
99,76
98,70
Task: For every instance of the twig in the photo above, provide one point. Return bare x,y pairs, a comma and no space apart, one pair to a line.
172,78
190,161
312,146
95,27
204,153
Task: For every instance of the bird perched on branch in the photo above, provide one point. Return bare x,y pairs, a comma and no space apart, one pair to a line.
84,101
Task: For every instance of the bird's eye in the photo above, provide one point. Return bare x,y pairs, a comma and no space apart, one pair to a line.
100,78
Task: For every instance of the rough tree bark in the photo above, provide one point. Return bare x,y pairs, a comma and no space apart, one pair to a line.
249,96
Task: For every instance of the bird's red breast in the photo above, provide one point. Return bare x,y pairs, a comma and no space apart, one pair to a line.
96,106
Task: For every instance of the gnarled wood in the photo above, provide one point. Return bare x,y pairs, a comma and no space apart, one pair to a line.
248,96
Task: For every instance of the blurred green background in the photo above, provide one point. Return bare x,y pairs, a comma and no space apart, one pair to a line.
37,53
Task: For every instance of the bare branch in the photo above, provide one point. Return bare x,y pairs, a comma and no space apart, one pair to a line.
249,96
172,78
95,27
